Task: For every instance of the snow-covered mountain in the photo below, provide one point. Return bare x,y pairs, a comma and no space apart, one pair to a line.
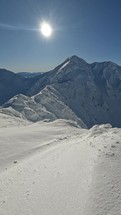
92,91
11,84
88,92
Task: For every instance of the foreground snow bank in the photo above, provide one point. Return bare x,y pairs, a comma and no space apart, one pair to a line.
56,168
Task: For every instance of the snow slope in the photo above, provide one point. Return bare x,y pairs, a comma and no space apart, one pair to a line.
56,168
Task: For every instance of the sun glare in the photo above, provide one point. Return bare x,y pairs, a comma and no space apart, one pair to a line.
46,29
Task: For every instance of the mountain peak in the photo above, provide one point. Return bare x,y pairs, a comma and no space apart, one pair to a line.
71,61
75,59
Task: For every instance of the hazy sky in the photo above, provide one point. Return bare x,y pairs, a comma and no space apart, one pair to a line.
90,29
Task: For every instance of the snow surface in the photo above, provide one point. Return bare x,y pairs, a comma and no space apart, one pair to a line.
65,64
56,168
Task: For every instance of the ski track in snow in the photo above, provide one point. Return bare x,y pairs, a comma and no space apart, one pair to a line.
57,169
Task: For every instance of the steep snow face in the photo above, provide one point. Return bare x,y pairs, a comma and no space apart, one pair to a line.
73,63
71,69
47,105
73,60
92,92
64,65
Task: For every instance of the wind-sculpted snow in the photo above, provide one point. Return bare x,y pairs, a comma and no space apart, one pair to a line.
46,105
58,168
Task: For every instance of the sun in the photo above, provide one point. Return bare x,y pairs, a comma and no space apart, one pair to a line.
46,29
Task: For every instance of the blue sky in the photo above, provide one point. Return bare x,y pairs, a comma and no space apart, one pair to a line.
90,29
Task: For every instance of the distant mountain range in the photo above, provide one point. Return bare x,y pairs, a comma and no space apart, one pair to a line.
29,74
86,93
